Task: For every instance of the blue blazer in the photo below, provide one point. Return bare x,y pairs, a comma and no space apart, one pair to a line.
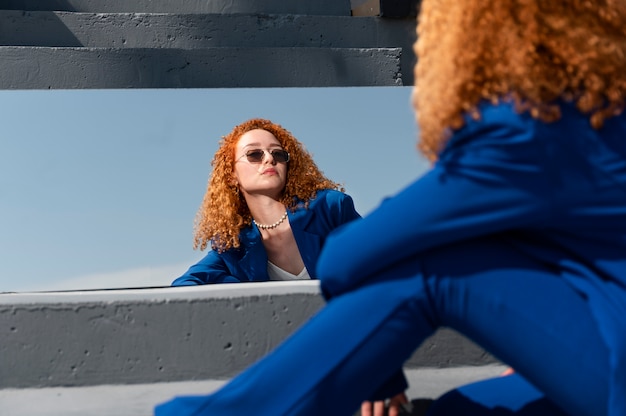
248,263
556,191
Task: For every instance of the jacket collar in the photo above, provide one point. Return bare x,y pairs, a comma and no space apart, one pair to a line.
254,261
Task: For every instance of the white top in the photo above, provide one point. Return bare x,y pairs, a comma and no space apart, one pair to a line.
276,273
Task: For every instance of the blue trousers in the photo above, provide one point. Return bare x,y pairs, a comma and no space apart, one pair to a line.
511,305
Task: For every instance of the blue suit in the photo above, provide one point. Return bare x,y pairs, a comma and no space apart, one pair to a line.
248,263
516,238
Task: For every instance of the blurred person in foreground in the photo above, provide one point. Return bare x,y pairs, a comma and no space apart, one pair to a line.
515,238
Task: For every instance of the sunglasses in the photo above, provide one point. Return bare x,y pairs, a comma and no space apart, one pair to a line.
257,155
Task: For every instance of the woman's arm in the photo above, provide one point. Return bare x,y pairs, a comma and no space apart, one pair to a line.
491,178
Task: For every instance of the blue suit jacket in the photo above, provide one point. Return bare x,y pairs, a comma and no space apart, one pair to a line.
248,263
556,191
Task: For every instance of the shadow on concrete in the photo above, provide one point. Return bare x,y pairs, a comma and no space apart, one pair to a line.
25,28
33,5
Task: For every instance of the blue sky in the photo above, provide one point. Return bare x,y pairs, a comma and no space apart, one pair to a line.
99,188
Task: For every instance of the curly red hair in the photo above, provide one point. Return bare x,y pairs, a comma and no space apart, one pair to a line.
224,213
534,52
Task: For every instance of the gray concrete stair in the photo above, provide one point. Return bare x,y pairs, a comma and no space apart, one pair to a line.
188,31
93,67
198,50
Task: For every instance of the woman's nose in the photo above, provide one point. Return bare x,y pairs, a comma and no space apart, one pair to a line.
268,157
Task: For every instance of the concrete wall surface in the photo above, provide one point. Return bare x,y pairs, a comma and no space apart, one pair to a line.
167,334
43,49
81,68
158,30
317,7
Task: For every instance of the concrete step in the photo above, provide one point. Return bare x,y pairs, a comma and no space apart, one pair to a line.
140,399
23,67
317,7
159,30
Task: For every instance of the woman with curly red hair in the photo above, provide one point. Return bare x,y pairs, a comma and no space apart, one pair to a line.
515,238
267,209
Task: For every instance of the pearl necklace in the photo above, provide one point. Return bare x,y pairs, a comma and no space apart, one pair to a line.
271,226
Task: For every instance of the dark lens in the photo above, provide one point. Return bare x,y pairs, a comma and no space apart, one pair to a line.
280,156
255,156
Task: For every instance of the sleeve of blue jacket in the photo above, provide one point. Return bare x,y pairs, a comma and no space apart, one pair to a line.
491,177
211,269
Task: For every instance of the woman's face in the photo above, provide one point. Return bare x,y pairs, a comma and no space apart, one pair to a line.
264,175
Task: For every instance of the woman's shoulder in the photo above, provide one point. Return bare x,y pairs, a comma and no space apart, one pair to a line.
325,200
504,127
329,206
506,119
329,196
510,112
504,110
570,118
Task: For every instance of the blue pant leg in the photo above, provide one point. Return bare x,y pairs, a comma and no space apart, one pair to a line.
526,314
501,396
328,367
500,297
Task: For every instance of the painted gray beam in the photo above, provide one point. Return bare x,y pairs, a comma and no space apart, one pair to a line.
130,30
317,7
168,334
83,68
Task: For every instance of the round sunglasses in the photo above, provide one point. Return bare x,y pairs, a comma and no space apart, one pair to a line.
257,155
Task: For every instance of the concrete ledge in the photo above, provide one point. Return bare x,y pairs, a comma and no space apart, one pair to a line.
167,334
318,7
69,68
187,31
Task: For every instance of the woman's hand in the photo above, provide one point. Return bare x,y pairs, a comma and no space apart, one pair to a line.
395,406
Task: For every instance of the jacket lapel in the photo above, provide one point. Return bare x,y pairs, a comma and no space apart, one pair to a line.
254,261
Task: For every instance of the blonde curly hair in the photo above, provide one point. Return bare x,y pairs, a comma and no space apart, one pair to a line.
224,212
534,52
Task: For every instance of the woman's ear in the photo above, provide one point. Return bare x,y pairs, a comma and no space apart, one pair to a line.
231,179
232,182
